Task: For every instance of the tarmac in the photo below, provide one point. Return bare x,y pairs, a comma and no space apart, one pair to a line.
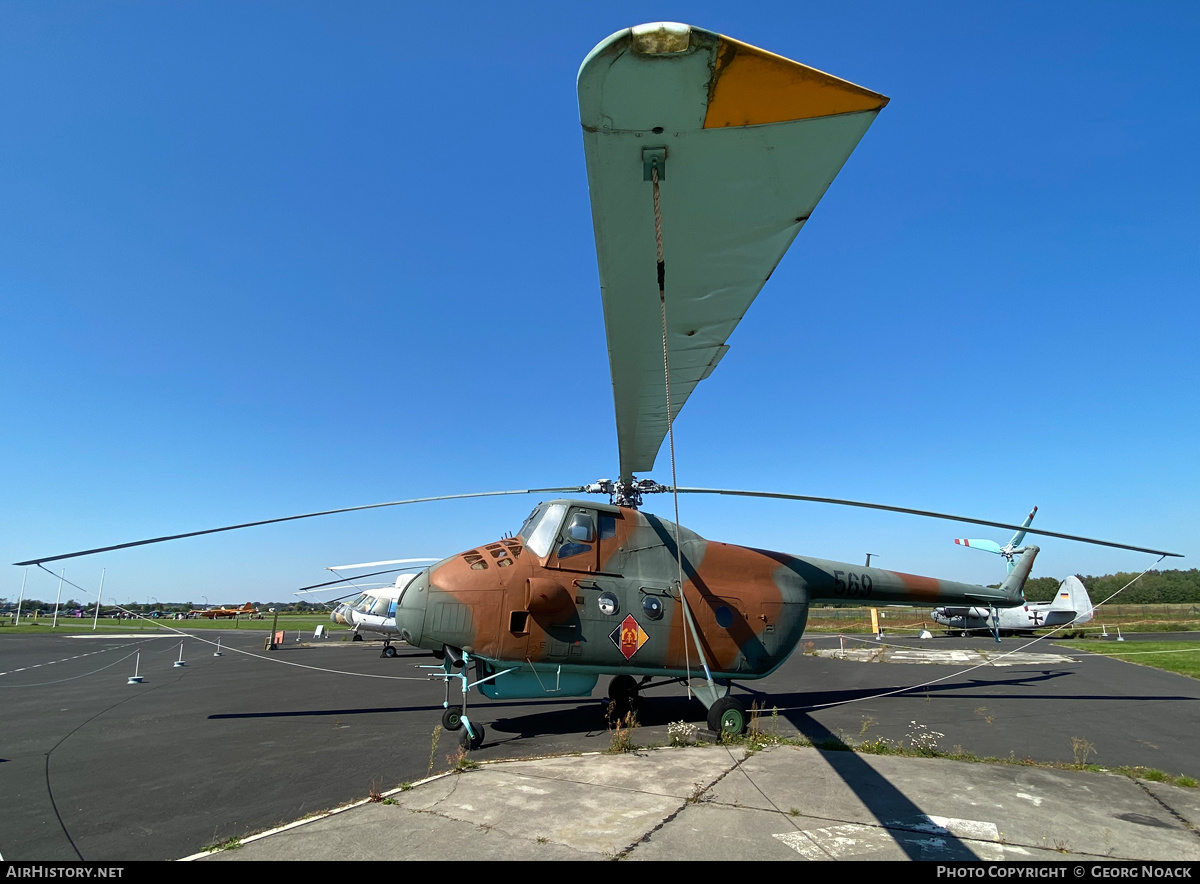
729,803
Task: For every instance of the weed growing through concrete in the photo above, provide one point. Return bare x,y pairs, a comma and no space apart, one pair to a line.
227,844
437,736
681,733
1081,749
461,760
923,740
622,733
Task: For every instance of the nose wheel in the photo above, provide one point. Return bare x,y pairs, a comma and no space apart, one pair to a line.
454,718
470,740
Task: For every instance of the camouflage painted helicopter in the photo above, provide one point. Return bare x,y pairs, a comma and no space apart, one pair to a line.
675,120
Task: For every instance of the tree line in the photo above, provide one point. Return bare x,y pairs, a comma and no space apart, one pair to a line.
1154,588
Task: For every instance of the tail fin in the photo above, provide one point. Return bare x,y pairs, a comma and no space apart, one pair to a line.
248,608
1013,586
1073,596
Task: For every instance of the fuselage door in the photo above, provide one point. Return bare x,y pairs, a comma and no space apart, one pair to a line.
577,546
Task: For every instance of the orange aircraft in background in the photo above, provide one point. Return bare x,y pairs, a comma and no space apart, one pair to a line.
219,613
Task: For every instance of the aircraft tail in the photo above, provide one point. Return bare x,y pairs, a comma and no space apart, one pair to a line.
1013,586
247,608
1073,596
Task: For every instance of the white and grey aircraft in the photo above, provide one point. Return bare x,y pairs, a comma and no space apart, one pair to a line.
373,610
1071,607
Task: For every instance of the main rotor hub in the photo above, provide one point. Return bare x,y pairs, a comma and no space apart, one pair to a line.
627,494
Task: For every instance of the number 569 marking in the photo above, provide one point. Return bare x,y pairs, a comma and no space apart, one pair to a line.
850,584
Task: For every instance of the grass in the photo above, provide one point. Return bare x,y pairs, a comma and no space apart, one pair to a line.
228,844
1131,618
83,625
922,743
1171,656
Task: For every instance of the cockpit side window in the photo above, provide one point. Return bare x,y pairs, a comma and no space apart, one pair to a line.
542,534
531,522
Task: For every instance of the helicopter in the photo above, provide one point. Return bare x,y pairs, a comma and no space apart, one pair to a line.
675,120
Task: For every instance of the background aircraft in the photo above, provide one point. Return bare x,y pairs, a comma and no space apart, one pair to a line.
222,613
1072,606
373,609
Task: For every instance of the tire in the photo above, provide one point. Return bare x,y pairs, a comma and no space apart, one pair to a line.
623,698
727,717
389,651
357,638
451,719
467,741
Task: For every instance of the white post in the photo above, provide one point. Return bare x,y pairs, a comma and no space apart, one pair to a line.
54,625
21,598
96,616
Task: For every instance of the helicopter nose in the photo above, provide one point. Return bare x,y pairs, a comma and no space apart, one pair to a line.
410,609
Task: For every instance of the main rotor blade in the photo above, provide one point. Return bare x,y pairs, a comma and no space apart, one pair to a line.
928,513
355,577
748,142
574,489
374,564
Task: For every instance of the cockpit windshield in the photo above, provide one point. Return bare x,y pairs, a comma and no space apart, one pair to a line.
541,527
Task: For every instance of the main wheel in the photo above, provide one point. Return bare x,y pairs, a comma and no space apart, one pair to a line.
389,651
623,696
357,638
472,742
452,719
622,689
727,717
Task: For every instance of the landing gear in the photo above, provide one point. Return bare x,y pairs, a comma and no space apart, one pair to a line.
357,637
454,718
388,650
727,717
623,694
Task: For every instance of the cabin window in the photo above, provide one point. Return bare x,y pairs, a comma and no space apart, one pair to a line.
542,534
573,549
580,528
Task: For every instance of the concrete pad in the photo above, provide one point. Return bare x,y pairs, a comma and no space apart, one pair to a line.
387,832
786,803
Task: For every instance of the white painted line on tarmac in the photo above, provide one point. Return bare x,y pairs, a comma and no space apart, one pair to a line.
933,835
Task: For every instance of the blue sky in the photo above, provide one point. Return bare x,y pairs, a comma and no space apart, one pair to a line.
260,259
